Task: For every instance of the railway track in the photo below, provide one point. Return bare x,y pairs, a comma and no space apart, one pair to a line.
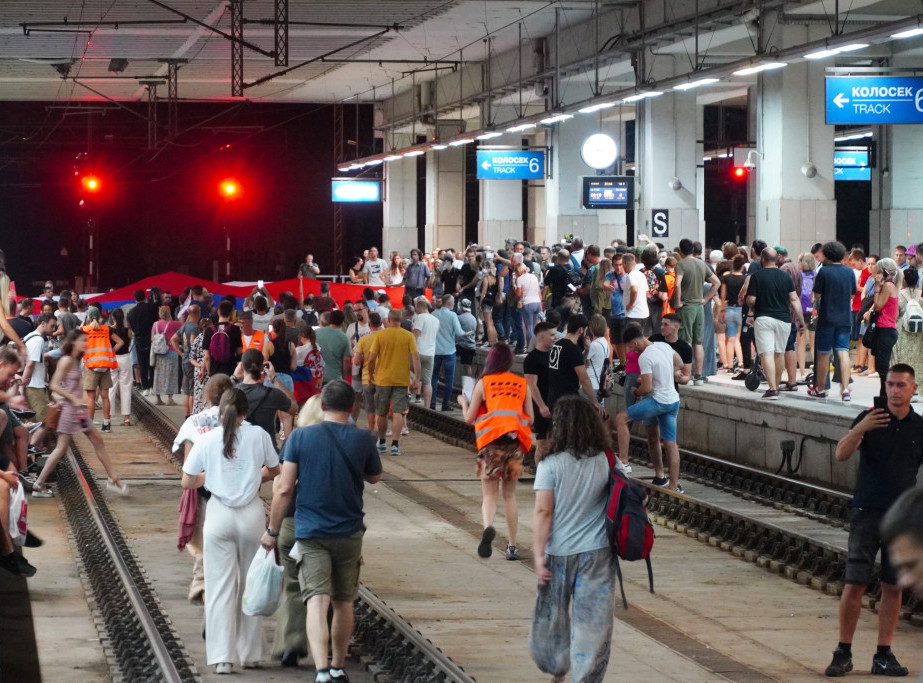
387,644
774,546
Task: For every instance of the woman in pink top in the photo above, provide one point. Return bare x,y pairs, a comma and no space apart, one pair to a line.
888,281
530,299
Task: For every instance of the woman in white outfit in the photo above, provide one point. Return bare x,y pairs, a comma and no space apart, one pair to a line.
231,461
122,375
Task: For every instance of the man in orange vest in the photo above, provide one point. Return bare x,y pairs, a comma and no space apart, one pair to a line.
98,360
253,339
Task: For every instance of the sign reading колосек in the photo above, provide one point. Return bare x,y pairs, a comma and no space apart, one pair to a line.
873,100
510,164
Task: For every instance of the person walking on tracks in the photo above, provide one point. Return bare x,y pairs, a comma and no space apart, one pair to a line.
574,565
231,461
890,445
330,461
503,438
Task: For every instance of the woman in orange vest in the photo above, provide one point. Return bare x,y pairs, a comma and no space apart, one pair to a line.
98,360
500,408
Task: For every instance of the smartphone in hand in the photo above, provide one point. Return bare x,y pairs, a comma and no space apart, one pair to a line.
881,402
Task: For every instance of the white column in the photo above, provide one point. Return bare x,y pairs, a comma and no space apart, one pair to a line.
501,212
399,209
445,198
792,209
668,150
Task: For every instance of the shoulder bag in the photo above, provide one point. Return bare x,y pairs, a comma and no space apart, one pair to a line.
357,477
871,333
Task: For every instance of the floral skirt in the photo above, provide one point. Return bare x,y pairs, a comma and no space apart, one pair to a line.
500,459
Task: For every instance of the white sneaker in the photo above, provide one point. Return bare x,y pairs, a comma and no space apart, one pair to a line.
224,668
121,490
389,433
405,431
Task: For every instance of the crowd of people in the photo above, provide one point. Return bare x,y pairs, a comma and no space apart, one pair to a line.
273,391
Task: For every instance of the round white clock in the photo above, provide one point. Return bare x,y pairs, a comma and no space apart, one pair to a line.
599,151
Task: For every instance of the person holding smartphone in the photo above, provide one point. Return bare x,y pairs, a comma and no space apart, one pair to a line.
263,401
889,438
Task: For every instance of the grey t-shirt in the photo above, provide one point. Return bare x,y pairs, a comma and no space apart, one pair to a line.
375,269
578,524
469,324
695,273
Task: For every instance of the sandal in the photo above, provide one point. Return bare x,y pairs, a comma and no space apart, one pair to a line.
126,422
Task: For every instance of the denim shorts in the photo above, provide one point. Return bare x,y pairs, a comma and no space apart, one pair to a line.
664,413
732,320
828,337
864,544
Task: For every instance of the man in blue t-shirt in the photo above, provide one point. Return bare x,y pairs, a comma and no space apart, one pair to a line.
329,461
834,287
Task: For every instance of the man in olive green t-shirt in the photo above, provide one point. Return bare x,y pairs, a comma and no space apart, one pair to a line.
689,301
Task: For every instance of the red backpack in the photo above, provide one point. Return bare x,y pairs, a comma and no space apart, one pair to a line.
628,528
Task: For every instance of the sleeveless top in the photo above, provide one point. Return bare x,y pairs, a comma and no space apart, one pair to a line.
281,358
504,396
887,316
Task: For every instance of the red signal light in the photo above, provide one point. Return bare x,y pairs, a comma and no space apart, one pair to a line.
740,172
90,183
229,189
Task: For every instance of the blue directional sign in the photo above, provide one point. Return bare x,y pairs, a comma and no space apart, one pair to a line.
847,158
510,164
874,100
855,173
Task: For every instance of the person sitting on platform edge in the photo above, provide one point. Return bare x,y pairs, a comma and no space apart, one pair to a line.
890,444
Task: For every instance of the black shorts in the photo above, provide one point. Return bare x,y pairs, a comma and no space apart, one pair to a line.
540,425
617,329
465,356
864,544
6,436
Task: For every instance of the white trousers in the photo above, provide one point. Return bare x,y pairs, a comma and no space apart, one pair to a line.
122,381
231,539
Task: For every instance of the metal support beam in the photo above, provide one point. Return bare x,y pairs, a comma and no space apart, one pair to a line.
173,94
151,112
281,31
231,36
339,156
237,48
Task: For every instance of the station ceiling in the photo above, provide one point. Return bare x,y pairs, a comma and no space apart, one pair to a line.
369,50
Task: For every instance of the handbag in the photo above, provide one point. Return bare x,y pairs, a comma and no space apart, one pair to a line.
52,415
871,333
18,515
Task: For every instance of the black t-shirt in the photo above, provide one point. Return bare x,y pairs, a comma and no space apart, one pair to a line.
449,279
263,403
889,459
22,326
465,275
141,319
536,363
733,284
771,287
237,345
563,358
557,279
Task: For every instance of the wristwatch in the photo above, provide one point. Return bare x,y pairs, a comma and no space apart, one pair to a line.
271,533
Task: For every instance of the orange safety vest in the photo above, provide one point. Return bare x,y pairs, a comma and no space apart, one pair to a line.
99,354
504,395
256,341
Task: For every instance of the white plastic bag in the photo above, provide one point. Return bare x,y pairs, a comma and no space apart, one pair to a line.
264,585
18,511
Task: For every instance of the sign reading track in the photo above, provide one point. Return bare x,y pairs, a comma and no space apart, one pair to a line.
875,100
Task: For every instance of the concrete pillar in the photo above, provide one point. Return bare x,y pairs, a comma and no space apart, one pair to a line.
563,213
791,209
500,212
399,209
668,150
445,198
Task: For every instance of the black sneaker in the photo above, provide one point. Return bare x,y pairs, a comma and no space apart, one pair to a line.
512,553
338,675
886,664
660,481
17,564
106,427
841,664
484,547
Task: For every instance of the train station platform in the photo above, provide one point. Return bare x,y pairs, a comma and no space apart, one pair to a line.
713,617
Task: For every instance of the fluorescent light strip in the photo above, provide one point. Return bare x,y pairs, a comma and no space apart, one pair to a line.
374,162
830,52
909,33
696,84
557,118
458,143
821,54
596,107
489,136
438,147
642,96
521,127
393,157
852,47
413,153
855,136
767,66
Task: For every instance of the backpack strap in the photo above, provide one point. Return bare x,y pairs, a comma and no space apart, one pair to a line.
650,573
618,573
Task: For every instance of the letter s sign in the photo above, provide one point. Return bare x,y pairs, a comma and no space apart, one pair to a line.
660,222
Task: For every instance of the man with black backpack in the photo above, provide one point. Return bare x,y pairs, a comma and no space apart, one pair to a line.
223,344
141,319
563,280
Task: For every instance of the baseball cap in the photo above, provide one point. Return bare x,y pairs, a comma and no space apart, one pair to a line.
781,250
465,304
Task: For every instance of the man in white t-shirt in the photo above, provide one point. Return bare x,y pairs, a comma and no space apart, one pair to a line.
34,377
374,268
425,329
635,295
660,366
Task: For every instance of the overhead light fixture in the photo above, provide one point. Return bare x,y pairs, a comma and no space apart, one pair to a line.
393,157
830,52
853,136
643,96
909,33
118,65
489,136
413,153
439,146
766,66
459,143
355,167
696,84
596,107
374,162
557,118
521,127
752,156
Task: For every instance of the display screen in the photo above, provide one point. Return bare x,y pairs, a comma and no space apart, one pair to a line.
852,163
356,190
608,192
852,173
